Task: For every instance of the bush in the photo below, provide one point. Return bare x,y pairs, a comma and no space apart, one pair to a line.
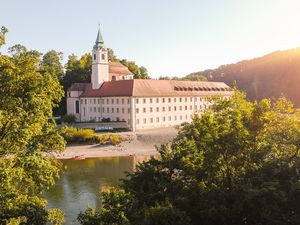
74,135
69,118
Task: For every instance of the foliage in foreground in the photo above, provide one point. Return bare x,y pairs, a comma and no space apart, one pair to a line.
27,95
88,136
236,164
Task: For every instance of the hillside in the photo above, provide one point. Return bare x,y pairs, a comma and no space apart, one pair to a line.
270,76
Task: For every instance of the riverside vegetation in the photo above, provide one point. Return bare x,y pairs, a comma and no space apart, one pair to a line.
88,136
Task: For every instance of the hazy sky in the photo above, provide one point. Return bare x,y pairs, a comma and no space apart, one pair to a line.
168,37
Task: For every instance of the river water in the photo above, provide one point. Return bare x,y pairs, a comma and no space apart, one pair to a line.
82,181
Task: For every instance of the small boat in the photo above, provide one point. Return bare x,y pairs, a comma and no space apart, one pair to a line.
78,157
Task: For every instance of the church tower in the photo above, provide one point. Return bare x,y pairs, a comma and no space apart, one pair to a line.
100,63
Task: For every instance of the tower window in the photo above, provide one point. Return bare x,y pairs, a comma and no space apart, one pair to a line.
103,56
94,56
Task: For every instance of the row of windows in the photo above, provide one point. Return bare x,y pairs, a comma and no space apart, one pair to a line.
163,119
108,101
108,110
163,100
169,108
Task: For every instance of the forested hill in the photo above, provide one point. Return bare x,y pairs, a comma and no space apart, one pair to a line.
270,76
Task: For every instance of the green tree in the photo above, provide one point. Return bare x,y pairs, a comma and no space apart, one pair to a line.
26,137
236,164
51,63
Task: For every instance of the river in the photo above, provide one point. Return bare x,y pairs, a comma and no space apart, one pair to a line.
82,181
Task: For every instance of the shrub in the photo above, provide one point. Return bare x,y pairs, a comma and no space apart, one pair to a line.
69,118
74,135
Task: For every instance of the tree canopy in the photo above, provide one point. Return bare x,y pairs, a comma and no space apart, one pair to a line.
236,164
27,135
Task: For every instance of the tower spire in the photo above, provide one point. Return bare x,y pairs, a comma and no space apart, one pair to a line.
99,40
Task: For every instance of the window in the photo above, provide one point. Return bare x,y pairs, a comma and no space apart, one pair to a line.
169,108
102,101
151,110
117,101
180,108
94,101
103,56
137,101
94,56
123,110
174,99
157,100
81,101
107,101
191,99
185,107
180,99
169,99
85,101
90,101
137,110
145,121
175,117
144,110
103,110
163,100
128,101
157,109
107,110
185,99
77,106
98,109
112,110
99,101
150,100
112,101
95,109
83,111
144,100
117,110
122,101
164,118
175,108
163,109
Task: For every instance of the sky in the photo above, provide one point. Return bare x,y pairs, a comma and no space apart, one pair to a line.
168,37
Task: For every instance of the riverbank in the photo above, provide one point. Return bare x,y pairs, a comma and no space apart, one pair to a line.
139,143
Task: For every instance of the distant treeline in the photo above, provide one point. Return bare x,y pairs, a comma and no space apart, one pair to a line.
271,76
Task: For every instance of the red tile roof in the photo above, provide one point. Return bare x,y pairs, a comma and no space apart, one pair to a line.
154,88
118,68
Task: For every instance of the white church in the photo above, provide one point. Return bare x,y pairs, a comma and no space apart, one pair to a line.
114,95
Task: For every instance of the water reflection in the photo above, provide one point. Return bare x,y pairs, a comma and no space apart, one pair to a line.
83,180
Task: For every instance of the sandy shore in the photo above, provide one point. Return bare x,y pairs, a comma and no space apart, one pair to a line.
140,143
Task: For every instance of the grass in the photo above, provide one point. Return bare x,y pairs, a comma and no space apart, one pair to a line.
88,136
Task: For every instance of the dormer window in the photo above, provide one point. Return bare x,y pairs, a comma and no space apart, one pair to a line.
94,56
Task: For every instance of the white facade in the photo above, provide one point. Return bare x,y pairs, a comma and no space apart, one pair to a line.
143,112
